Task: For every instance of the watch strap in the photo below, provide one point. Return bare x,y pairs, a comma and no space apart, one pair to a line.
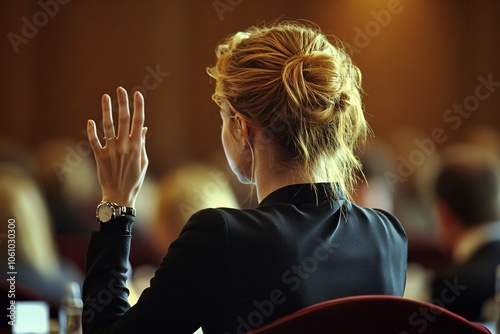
126,211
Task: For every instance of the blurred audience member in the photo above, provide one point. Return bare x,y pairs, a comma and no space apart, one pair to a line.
373,190
467,196
415,155
182,193
415,161
65,170
37,263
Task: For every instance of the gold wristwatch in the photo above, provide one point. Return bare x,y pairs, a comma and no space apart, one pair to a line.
108,211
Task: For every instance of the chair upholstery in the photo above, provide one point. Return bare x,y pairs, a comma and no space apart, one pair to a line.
372,314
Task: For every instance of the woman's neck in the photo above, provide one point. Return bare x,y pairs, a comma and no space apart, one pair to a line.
269,178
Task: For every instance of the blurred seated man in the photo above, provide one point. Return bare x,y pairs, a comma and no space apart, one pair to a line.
467,190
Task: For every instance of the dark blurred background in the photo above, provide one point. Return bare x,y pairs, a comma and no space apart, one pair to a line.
417,62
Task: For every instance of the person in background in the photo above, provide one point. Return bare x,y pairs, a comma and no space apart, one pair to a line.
183,192
372,189
292,117
65,172
467,192
40,268
180,193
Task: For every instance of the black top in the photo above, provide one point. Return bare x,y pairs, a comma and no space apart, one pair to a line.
465,288
234,270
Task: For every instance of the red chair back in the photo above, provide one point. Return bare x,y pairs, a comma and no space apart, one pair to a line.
372,314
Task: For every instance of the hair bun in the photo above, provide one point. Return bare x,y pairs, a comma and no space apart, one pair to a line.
295,74
312,85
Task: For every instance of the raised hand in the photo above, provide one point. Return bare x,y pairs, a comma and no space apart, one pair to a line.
122,160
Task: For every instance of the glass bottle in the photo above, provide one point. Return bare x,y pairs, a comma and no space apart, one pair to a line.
70,317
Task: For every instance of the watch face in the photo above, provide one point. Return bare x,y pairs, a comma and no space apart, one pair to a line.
105,213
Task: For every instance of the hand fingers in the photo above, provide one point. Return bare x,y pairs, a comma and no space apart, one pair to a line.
107,117
92,135
124,114
137,133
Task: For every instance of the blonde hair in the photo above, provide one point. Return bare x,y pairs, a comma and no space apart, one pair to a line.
22,201
289,81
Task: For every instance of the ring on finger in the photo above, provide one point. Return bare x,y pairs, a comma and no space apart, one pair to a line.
109,138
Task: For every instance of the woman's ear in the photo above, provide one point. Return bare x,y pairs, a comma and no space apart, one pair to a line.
244,129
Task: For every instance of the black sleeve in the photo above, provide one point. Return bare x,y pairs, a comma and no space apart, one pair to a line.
121,225
183,293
